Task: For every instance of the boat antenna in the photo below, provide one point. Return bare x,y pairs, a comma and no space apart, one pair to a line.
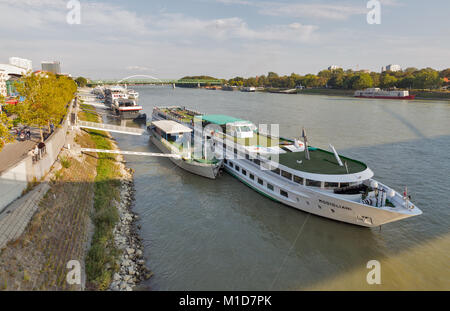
305,141
336,155
346,167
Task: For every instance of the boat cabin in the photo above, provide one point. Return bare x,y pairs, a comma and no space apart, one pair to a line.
171,131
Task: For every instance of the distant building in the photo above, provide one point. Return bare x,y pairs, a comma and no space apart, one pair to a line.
3,79
12,70
21,63
393,68
53,67
334,67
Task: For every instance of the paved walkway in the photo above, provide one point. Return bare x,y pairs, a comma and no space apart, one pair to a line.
14,152
15,218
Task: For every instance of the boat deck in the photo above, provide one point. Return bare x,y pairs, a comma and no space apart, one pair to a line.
321,162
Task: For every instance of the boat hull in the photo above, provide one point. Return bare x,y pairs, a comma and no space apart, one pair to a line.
206,170
389,97
315,202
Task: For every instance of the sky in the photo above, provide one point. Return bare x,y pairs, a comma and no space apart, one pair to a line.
224,38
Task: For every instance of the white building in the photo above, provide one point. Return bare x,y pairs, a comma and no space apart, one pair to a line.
334,67
393,68
12,70
21,63
3,77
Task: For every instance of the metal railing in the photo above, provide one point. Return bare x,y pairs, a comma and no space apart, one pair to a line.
111,128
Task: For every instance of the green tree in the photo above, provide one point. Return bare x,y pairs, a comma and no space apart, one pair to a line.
5,126
45,99
81,82
427,78
387,81
362,81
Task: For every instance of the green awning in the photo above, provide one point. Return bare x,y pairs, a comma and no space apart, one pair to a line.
219,119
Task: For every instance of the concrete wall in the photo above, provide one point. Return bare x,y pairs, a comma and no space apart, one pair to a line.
15,179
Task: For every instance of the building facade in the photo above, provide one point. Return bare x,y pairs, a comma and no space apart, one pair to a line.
3,79
392,67
23,63
53,67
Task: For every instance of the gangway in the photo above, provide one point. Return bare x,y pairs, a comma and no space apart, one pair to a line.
110,128
149,154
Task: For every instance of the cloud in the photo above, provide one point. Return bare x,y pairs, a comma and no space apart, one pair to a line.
316,10
230,28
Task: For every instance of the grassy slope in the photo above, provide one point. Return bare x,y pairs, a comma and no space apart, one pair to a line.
101,258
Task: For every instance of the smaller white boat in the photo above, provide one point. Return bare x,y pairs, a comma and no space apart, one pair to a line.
132,94
174,138
126,108
248,89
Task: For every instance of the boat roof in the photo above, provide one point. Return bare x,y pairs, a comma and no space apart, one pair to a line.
219,119
320,162
171,127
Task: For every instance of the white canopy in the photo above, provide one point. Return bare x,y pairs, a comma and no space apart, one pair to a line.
171,127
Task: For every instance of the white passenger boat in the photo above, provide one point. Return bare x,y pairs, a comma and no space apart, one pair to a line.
132,94
126,108
288,171
174,138
113,93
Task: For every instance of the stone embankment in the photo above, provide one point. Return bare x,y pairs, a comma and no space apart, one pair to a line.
132,263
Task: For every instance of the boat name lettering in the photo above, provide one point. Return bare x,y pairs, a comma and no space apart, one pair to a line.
334,205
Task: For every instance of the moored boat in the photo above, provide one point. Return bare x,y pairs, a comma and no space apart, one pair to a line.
383,94
126,108
174,138
291,172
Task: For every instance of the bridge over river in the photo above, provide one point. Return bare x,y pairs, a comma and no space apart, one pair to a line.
146,79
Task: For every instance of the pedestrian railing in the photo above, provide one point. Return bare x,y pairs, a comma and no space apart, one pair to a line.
110,128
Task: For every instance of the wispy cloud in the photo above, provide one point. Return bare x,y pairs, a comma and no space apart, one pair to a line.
318,10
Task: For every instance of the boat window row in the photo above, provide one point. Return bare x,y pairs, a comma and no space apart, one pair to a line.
298,179
252,177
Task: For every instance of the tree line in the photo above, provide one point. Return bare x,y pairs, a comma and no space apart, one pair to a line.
45,99
410,78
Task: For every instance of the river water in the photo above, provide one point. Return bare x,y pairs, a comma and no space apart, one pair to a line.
201,234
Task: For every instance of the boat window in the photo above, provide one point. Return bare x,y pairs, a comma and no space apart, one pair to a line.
298,180
256,161
331,184
313,183
260,181
344,184
237,168
244,172
276,171
252,177
286,175
231,164
270,187
247,156
284,193
235,151
225,161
